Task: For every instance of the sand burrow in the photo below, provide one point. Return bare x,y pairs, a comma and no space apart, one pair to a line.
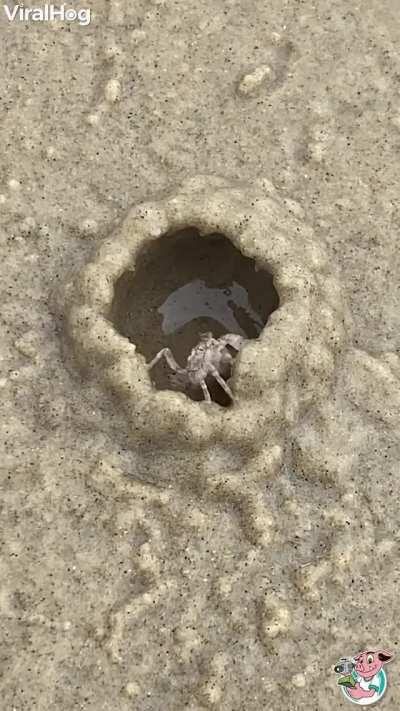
185,284
130,299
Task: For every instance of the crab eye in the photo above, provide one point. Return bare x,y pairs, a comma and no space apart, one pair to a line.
370,659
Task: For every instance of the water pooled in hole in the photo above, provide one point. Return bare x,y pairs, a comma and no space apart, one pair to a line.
183,285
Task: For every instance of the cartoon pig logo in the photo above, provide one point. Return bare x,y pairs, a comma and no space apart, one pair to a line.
364,681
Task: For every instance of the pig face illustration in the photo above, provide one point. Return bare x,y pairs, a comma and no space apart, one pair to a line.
363,679
370,663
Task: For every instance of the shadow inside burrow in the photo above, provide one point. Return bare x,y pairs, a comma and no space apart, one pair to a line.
185,284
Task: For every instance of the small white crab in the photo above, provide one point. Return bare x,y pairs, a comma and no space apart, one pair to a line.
211,357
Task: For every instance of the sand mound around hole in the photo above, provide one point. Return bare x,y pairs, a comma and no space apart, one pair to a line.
290,364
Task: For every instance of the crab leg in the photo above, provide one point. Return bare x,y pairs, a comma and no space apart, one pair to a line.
233,340
167,354
222,383
206,394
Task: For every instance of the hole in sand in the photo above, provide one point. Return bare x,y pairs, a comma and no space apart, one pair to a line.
185,284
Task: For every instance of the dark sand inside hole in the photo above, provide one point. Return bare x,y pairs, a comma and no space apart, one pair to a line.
186,284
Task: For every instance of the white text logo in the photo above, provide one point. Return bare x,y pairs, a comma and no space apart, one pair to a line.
47,13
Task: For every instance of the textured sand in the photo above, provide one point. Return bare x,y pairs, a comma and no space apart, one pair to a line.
233,577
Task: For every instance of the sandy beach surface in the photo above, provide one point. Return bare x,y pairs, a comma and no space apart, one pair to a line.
229,581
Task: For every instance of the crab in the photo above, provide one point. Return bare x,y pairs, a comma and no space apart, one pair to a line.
211,357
